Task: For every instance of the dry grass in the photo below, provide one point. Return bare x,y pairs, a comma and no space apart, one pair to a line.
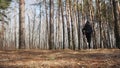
98,58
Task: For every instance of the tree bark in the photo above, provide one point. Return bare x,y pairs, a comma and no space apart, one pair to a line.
61,7
51,35
116,25
22,24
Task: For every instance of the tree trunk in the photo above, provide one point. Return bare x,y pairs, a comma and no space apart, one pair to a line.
22,24
39,28
15,36
71,25
116,25
47,32
51,35
99,20
68,23
29,31
62,24
79,30
2,34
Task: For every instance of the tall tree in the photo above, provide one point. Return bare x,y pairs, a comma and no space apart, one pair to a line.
99,20
21,24
46,11
39,26
51,34
68,23
79,30
63,24
116,25
71,25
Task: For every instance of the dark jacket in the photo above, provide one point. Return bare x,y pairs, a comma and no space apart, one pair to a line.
87,29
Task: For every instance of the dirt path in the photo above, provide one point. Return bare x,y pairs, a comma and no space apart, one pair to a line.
99,58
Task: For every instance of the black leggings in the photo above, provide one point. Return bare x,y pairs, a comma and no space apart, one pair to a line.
88,36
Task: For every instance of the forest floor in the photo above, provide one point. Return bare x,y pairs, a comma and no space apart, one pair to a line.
95,58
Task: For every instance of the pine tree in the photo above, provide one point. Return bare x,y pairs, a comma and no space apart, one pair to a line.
21,24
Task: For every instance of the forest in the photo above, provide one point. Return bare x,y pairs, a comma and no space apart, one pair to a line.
57,24
31,29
